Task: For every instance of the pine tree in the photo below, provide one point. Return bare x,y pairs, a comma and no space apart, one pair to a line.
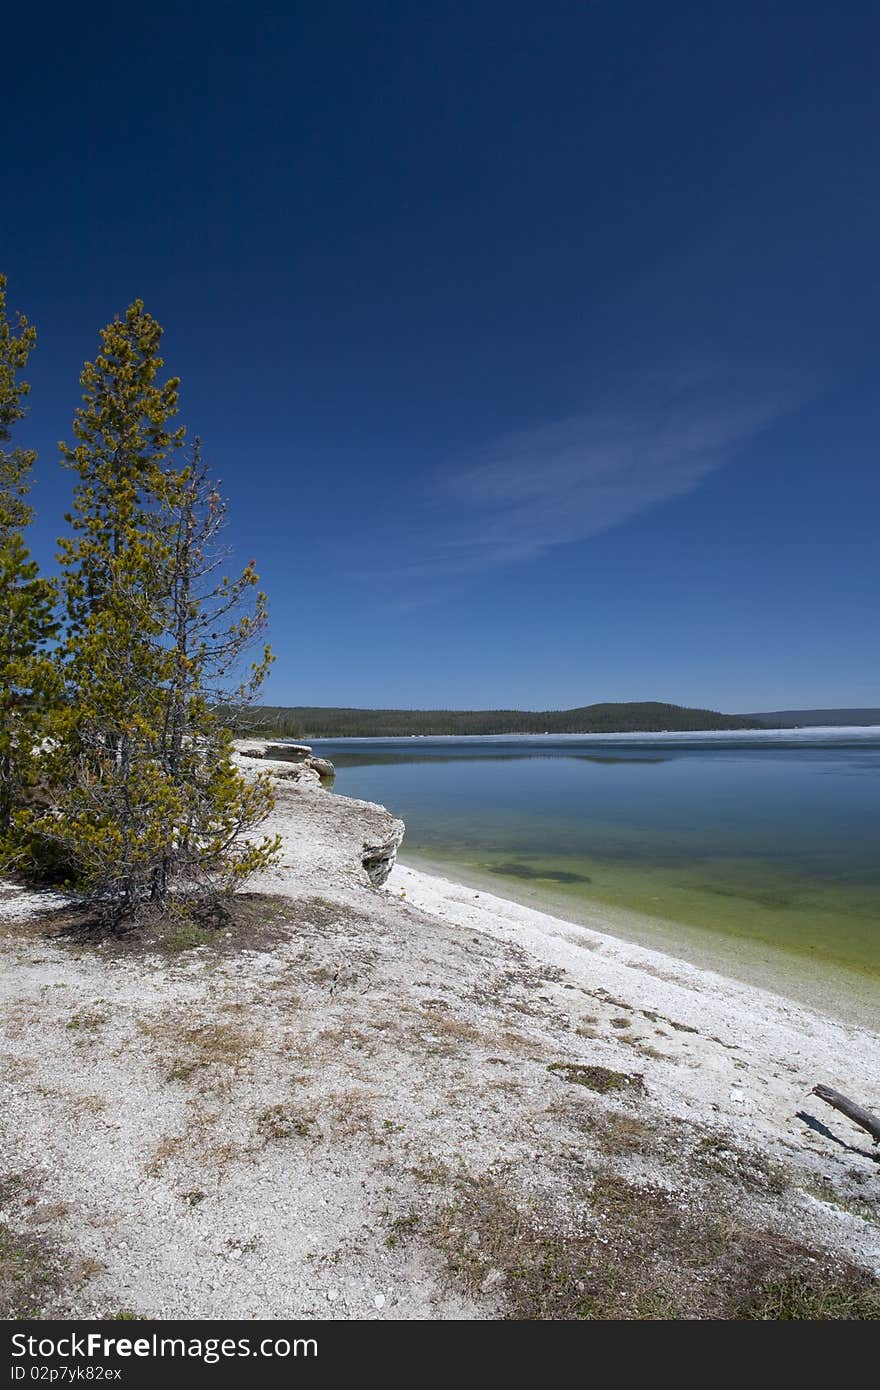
213,626
143,789
26,600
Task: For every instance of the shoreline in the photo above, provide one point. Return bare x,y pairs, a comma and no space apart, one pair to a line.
829,988
400,1101
767,921
834,732
580,946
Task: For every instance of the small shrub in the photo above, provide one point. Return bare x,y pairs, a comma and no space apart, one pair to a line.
601,1079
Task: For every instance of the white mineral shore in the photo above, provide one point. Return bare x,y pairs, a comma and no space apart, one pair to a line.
271,1131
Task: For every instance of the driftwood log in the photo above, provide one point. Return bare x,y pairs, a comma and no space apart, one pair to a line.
854,1112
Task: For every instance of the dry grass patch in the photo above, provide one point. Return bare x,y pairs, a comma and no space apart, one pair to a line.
88,1020
220,1045
352,1114
434,1030
646,1049
277,1123
866,1206
716,1153
617,1132
30,1274
601,1079
429,1030
20,1019
36,1277
622,1250
338,1117
853,1296
197,1146
446,1032
74,1102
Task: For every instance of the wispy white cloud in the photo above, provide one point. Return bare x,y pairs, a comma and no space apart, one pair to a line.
527,493
534,490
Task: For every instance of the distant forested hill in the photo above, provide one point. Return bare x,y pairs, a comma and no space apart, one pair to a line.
803,718
305,722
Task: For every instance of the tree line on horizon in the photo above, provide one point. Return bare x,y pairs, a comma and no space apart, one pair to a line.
117,673
303,722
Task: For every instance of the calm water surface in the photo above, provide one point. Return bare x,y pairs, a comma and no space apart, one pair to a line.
718,842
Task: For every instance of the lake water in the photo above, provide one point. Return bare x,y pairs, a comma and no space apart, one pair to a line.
757,854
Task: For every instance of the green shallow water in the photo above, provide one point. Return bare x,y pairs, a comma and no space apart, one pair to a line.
759,859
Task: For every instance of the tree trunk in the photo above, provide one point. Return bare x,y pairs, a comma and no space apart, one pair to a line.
854,1112
5,793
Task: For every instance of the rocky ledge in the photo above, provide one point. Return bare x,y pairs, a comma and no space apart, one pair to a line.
289,762
351,841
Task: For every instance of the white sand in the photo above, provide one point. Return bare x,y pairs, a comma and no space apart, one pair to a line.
236,1134
766,1051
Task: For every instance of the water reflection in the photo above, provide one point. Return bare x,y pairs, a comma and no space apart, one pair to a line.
774,841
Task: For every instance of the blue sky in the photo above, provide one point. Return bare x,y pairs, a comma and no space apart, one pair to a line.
535,345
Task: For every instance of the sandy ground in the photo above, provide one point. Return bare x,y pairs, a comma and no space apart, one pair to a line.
363,1107
742,1054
